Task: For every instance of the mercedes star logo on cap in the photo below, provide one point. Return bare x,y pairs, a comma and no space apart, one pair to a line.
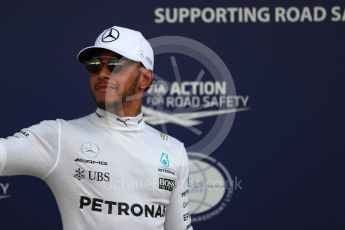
110,35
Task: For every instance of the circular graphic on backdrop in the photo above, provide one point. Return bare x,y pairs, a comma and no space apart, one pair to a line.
193,95
211,187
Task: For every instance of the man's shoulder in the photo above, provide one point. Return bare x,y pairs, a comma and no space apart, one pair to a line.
80,123
76,121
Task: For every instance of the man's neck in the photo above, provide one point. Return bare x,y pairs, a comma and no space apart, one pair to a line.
124,110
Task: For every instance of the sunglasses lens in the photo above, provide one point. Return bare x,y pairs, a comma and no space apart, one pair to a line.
115,65
93,65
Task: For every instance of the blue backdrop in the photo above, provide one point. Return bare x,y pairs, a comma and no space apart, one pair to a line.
287,150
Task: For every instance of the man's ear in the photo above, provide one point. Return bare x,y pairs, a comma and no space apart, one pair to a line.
146,78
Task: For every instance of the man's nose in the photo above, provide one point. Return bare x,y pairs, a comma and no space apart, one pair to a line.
104,72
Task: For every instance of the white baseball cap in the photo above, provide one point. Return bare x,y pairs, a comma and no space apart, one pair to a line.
126,42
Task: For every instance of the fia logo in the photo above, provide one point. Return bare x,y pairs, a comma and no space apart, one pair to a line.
165,160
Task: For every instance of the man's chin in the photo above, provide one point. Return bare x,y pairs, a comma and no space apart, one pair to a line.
109,105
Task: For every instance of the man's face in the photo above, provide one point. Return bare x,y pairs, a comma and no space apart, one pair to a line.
112,88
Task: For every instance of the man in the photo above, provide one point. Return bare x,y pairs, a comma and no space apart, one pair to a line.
108,170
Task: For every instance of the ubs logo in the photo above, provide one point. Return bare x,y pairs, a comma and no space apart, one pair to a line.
81,174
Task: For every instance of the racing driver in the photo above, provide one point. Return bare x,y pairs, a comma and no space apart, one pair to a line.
109,169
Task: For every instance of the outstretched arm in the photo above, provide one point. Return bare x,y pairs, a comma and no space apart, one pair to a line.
32,151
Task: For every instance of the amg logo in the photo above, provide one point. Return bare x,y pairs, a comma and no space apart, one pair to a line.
122,208
166,184
90,161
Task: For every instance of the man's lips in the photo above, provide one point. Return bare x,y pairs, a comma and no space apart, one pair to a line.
105,87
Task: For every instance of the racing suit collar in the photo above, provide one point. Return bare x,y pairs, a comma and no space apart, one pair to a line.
117,122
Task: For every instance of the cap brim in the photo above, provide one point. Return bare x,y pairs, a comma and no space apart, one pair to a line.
90,51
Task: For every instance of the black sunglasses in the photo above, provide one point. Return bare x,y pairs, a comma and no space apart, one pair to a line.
114,65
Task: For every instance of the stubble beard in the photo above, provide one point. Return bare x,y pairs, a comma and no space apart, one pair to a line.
126,97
